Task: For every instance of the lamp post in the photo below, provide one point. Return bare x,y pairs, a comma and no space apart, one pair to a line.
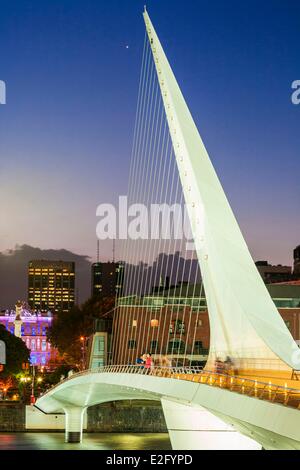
32,398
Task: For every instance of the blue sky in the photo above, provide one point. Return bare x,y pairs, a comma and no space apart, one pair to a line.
67,128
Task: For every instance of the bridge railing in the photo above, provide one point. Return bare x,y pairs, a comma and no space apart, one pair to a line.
234,383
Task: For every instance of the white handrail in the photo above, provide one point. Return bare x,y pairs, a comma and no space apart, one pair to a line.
220,379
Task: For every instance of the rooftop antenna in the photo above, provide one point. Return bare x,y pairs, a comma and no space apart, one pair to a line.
98,251
113,250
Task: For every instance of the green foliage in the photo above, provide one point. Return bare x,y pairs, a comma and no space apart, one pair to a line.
54,377
68,327
16,353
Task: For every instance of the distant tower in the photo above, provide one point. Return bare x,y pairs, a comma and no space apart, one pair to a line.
18,320
297,260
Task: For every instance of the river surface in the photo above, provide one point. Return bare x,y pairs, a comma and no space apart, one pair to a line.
92,441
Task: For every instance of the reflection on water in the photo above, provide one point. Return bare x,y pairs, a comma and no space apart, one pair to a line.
97,441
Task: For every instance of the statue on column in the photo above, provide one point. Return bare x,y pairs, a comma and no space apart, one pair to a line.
18,320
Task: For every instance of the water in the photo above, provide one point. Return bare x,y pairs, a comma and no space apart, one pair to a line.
94,441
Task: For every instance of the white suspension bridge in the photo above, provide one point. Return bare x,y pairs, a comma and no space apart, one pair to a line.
253,406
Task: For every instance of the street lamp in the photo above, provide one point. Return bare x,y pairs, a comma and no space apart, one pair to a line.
32,398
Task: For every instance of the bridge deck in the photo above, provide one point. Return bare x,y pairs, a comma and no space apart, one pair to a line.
272,386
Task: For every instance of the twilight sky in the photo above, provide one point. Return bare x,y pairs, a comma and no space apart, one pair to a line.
67,128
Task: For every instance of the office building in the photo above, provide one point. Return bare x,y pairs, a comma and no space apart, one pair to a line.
107,279
51,285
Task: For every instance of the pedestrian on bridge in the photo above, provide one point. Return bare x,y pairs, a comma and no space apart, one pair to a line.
149,362
140,361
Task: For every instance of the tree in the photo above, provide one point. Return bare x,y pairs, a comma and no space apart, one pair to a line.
68,327
16,353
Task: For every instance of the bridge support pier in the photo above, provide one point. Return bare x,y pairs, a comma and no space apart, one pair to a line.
195,428
73,423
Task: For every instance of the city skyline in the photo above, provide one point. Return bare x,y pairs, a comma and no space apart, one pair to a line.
149,238
66,103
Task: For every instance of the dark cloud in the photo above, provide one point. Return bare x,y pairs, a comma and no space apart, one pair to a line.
13,272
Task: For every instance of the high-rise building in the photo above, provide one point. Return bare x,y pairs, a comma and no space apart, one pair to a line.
297,260
51,285
107,279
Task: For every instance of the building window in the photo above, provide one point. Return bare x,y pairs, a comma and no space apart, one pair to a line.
134,323
32,345
288,324
101,344
198,346
44,345
154,322
22,330
153,346
179,327
199,323
44,331
176,346
33,331
38,343
131,344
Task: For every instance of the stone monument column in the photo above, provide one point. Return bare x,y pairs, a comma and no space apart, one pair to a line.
18,320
